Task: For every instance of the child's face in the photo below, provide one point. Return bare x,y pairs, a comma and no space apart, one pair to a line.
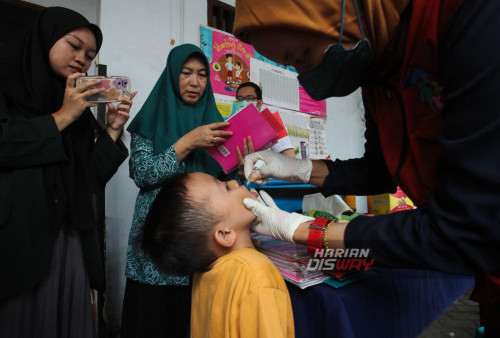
225,199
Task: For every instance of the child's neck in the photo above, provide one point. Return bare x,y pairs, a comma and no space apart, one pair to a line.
243,240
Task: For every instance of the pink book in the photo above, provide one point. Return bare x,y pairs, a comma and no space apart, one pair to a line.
247,122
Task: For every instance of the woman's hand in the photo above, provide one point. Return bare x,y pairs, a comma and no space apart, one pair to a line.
207,135
75,100
247,149
116,117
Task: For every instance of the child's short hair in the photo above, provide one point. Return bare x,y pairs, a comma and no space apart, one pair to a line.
177,229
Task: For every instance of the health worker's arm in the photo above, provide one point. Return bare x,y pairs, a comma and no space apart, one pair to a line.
459,231
361,176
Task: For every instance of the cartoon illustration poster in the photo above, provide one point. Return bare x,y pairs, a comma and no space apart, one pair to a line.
230,66
229,60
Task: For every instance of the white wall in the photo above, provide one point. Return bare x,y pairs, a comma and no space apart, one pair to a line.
345,126
88,8
345,132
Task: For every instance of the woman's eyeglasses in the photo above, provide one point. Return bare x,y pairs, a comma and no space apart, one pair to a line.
246,98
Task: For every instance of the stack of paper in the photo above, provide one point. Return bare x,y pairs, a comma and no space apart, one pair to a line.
291,259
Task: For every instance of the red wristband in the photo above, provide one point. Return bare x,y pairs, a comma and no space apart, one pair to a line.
316,230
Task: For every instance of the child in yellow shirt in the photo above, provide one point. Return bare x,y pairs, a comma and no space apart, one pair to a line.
198,224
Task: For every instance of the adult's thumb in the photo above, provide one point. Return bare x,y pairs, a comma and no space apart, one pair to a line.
249,162
251,204
267,199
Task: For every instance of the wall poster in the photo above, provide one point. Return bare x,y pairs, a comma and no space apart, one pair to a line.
233,62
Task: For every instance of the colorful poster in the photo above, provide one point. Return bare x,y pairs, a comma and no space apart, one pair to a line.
317,138
307,133
229,60
230,66
306,103
224,104
233,62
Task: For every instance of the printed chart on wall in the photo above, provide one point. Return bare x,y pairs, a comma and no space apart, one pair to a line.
280,87
233,62
307,133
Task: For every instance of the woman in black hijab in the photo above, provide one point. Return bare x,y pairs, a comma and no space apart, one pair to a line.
53,159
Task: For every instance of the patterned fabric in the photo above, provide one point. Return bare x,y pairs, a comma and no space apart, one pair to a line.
149,171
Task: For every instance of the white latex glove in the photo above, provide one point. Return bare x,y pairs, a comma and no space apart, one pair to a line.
271,220
278,166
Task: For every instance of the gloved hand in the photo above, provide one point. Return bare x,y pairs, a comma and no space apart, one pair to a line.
278,166
271,220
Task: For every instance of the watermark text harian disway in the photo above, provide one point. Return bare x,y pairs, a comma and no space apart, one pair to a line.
340,260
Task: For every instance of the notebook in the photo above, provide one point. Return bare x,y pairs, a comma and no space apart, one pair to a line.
247,122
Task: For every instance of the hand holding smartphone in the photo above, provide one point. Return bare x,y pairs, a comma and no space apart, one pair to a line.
114,87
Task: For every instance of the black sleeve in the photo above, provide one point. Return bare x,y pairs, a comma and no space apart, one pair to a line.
361,176
28,142
459,232
107,157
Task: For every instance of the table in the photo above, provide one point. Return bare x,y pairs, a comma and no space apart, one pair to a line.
399,303
389,303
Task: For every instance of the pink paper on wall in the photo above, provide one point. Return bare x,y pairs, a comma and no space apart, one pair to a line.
310,106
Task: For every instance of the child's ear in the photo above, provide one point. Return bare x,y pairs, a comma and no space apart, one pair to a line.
224,236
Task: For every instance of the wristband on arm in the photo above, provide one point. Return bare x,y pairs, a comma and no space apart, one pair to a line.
317,231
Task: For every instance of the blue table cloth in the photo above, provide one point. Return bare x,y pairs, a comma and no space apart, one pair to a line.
388,303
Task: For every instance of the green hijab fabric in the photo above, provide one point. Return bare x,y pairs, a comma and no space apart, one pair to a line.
165,117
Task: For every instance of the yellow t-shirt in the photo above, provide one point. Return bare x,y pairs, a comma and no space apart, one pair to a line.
243,295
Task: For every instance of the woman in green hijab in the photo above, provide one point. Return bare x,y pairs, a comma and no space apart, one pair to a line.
176,122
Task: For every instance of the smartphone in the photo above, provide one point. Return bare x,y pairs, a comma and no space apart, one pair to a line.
114,87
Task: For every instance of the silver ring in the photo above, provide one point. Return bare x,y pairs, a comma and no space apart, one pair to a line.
214,140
